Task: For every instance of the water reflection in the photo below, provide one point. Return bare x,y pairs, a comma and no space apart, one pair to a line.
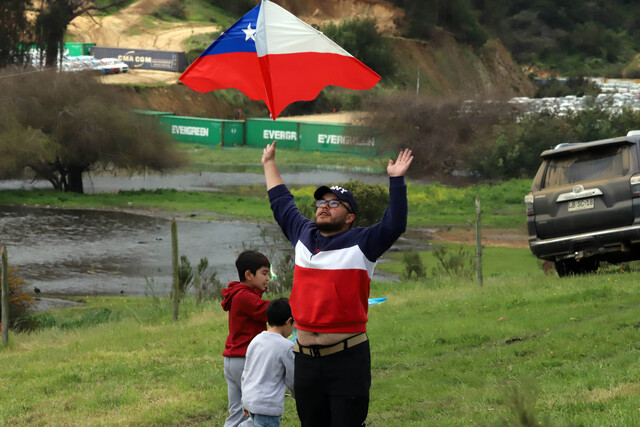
96,252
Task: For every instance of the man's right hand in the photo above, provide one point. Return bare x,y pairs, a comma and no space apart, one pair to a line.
271,174
269,153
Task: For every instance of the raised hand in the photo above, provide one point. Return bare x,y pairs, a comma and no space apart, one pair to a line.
271,174
399,168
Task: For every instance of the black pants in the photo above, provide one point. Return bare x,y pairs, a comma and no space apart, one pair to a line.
333,391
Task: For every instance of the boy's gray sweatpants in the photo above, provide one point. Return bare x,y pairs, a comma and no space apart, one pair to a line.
233,367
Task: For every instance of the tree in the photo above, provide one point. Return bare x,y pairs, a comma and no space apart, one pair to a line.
54,18
61,125
361,38
14,30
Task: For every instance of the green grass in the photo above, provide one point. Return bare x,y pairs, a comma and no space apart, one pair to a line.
429,205
444,351
497,261
200,204
248,160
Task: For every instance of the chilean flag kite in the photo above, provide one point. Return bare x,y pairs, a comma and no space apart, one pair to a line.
271,55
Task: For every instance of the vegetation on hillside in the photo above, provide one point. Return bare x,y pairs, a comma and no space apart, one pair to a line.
488,140
574,37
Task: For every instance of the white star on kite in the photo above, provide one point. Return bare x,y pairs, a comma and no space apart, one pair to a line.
250,33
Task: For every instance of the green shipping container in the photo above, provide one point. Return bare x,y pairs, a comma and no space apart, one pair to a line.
333,137
86,48
74,49
78,49
193,130
233,133
260,132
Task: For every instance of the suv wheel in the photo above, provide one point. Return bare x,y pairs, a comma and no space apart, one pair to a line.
569,267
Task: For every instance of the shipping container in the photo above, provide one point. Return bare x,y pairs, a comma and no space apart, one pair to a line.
193,130
145,59
78,49
260,132
233,133
337,137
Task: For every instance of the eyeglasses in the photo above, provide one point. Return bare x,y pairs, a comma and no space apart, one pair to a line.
332,204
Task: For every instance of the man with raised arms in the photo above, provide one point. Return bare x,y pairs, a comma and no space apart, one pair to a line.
334,263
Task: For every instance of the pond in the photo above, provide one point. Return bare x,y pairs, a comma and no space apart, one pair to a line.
92,252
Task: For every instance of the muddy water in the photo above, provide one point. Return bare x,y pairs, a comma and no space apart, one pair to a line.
85,252
109,253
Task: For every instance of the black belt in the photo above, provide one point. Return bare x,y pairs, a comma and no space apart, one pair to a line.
317,351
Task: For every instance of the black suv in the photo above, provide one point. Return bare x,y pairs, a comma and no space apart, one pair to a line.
584,205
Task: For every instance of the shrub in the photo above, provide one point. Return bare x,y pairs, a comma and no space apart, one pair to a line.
413,265
19,301
173,8
361,39
458,263
372,201
185,276
206,284
281,254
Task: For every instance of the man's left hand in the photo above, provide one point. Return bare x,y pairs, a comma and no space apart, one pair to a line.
400,166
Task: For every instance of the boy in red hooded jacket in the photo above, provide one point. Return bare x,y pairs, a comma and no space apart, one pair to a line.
247,318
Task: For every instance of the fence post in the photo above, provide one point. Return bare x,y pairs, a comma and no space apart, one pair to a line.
5,297
175,292
478,243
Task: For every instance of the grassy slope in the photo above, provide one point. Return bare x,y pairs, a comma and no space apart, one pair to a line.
445,352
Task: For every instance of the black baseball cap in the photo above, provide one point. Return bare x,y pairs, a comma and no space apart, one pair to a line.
340,192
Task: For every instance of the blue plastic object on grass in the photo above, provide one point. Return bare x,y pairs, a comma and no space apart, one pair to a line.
374,301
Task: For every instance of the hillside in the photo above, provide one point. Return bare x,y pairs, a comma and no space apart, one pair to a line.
447,68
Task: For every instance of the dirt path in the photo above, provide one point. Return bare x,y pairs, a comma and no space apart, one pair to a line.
506,238
135,27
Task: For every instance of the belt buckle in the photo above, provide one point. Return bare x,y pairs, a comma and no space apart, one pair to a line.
315,352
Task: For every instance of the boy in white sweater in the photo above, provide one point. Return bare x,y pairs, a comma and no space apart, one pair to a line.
268,367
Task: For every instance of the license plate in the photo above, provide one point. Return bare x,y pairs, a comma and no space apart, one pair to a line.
578,205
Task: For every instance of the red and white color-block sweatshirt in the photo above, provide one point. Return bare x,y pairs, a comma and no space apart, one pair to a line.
247,317
332,275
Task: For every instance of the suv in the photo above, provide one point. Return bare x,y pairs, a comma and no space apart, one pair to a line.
584,205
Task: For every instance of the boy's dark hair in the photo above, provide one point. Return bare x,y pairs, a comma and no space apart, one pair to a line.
278,312
252,261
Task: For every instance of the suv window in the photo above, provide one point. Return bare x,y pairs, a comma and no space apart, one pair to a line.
601,163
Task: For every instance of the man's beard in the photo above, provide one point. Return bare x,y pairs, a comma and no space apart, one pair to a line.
329,227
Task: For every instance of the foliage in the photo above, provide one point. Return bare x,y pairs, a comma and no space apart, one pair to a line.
206,284
412,265
61,125
515,152
281,254
185,276
578,86
173,9
441,133
574,37
372,201
19,301
53,18
455,16
14,30
236,7
361,39
460,263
